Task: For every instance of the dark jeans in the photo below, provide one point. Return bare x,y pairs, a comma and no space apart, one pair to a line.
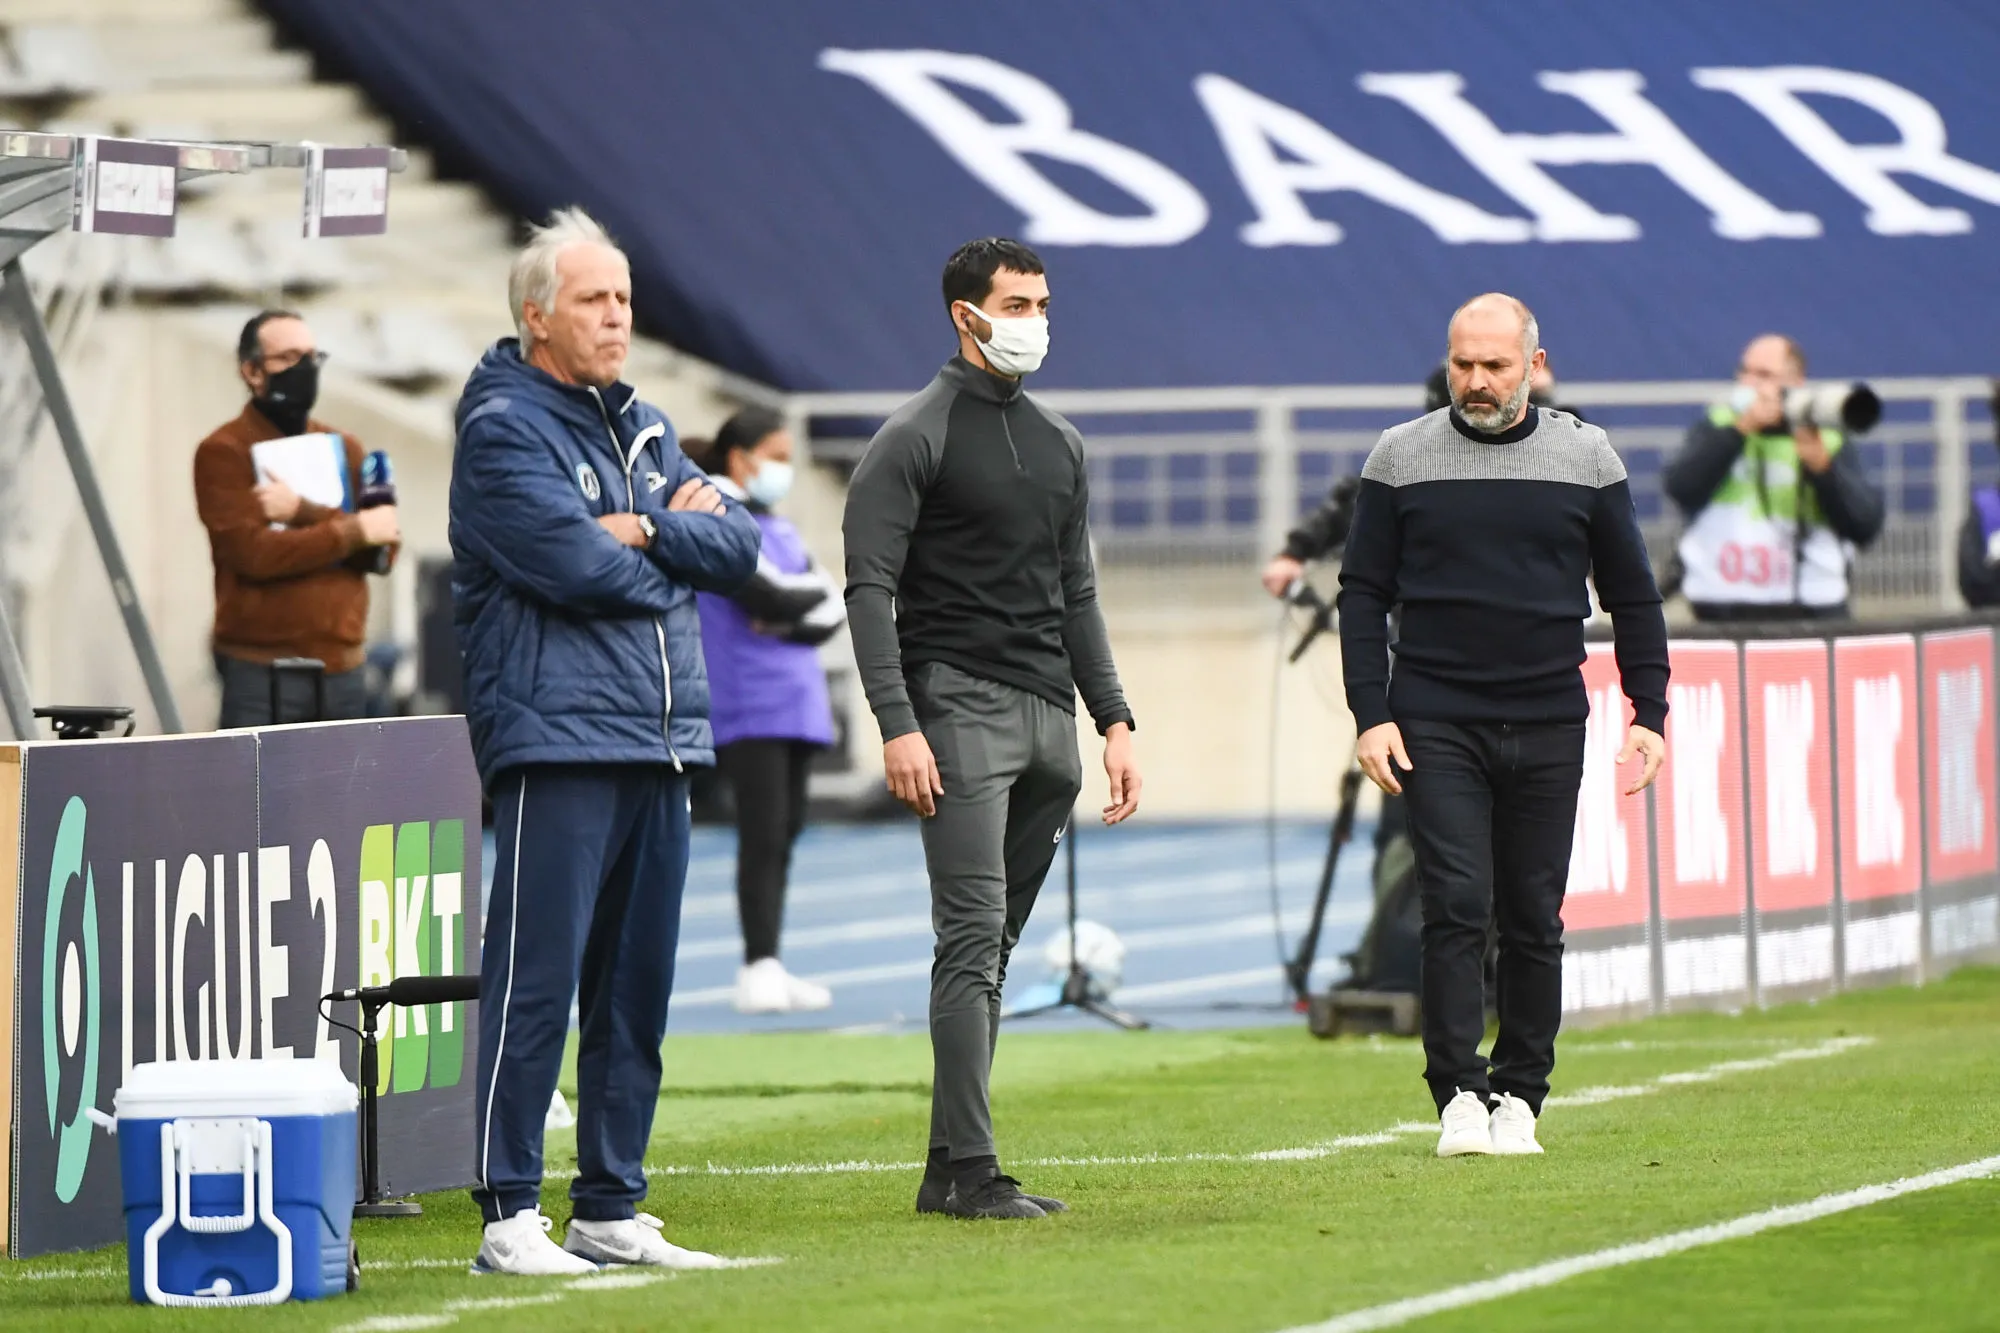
246,695
768,779
1492,811
590,863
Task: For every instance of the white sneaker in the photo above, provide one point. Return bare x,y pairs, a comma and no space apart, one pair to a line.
635,1240
808,997
520,1246
763,987
1513,1127
1464,1127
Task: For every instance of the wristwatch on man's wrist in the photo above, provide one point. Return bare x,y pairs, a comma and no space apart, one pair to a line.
650,528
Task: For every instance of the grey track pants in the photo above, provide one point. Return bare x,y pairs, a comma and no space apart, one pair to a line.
1011,775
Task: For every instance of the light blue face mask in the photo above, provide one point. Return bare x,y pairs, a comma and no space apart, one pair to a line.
771,484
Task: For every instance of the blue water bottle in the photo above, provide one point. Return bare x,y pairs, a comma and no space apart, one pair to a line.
378,487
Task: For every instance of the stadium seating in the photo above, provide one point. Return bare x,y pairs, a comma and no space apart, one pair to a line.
412,309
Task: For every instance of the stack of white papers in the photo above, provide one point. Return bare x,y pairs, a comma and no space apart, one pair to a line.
314,466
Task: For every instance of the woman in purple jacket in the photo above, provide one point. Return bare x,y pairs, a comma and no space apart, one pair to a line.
768,700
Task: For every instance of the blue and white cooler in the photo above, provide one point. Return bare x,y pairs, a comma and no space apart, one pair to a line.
239,1180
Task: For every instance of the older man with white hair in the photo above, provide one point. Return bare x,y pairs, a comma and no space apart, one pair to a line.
1482,522
580,534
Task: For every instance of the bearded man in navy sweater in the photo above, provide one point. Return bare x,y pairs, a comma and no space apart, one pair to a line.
1483,523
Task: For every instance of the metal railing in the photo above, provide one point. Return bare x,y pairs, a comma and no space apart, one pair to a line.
1187,476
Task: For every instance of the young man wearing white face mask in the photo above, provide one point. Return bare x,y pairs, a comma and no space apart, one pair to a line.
974,613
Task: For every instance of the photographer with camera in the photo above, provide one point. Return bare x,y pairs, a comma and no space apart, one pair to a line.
1775,499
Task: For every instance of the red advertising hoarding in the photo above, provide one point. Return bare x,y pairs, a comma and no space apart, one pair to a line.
1791,774
1876,684
1787,707
1881,855
1698,805
1608,880
1607,961
1958,772
1700,788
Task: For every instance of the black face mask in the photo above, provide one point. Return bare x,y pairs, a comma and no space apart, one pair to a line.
288,396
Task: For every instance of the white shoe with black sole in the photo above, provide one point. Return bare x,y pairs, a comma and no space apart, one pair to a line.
519,1246
1513,1127
635,1241
1463,1128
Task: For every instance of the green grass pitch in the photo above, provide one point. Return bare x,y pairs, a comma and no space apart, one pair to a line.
1253,1180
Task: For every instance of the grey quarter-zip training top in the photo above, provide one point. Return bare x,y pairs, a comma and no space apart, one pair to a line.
968,542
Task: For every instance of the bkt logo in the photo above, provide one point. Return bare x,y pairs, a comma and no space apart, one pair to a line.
412,924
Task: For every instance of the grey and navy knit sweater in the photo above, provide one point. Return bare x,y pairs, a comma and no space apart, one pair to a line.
1485,542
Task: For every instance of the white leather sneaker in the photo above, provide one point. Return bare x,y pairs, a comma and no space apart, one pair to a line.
1513,1127
1463,1127
520,1247
764,987
808,997
635,1240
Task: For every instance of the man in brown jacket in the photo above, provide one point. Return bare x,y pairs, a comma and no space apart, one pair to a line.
290,575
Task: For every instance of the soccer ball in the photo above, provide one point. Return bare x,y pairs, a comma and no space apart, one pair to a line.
1098,948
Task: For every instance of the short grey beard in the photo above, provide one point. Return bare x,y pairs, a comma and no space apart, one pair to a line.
1493,420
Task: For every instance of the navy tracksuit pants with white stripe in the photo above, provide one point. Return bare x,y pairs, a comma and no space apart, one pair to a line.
587,886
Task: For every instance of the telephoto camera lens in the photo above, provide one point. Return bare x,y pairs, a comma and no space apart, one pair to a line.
1853,408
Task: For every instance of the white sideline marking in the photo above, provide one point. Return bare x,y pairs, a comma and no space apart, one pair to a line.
475,1304
1401,1312
615,1281
60,1274
448,1314
1709,1073
1584,1097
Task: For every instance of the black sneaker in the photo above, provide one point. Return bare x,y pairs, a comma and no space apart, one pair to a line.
997,1197
934,1195
935,1192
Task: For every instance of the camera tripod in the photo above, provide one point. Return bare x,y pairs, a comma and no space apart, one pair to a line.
1076,985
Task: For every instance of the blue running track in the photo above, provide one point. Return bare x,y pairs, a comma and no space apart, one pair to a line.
1191,901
